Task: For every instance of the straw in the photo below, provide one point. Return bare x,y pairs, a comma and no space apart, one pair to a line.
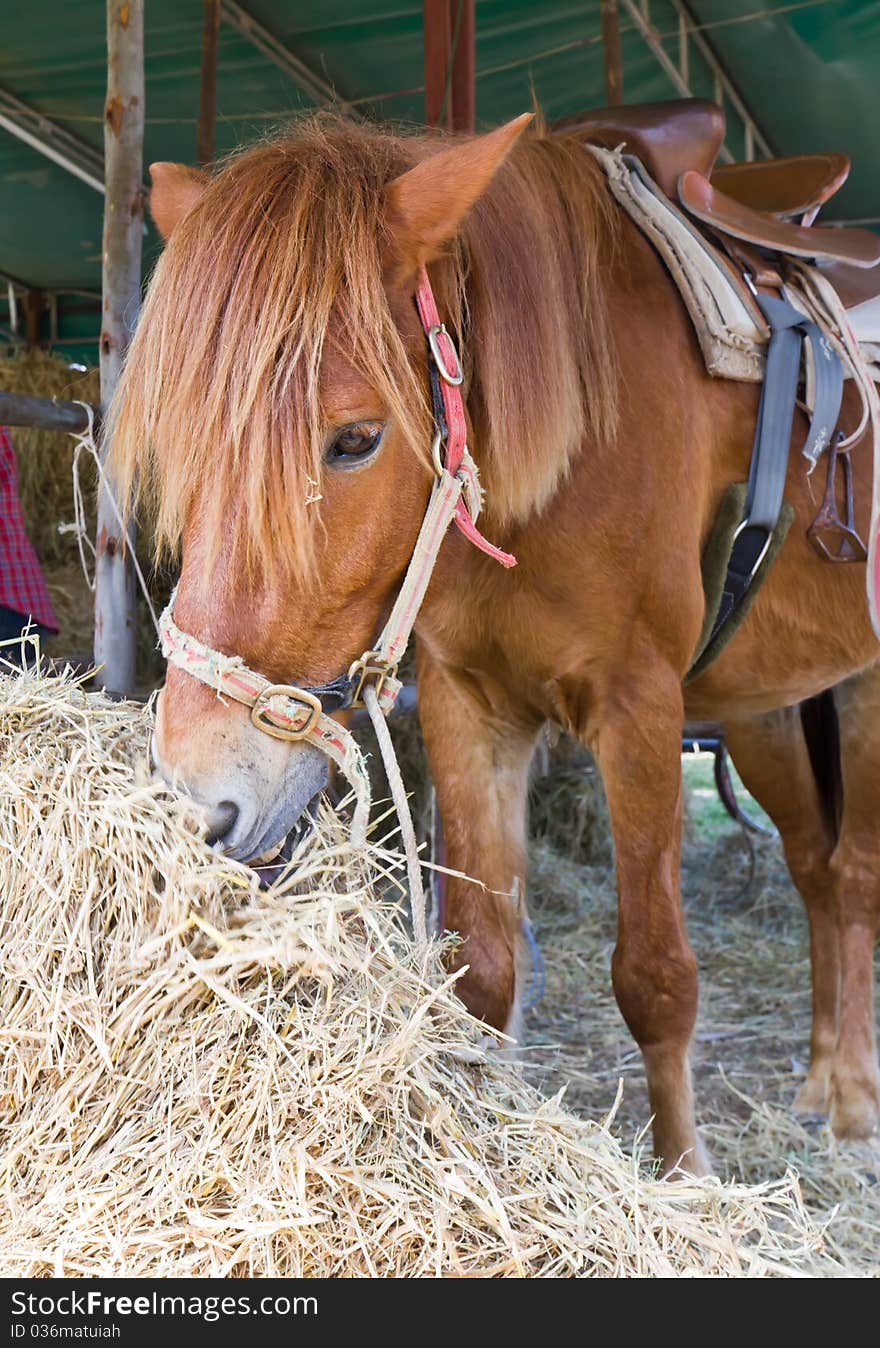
201,1078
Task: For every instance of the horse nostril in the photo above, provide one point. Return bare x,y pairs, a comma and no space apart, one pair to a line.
221,820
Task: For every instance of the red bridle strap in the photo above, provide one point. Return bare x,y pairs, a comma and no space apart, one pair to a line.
445,357
295,713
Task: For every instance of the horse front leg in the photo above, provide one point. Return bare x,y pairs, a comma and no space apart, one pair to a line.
638,748
479,754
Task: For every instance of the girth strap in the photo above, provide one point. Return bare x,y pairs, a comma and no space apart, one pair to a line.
790,330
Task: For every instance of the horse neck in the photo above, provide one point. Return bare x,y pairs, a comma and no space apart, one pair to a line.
528,293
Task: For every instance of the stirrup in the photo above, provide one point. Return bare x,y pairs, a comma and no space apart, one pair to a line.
828,528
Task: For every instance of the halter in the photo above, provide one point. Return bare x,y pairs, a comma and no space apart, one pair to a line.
290,712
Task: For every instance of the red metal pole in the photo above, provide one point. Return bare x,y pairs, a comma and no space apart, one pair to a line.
208,81
611,53
437,30
463,88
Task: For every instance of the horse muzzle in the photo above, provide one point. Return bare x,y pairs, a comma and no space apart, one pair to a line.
252,792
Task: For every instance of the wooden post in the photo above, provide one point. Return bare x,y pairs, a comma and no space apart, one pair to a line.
208,81
449,38
33,314
123,232
611,53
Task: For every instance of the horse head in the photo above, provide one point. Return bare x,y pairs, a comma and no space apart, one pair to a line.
275,410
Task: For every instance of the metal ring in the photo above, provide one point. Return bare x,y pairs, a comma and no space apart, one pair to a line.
439,467
741,528
457,376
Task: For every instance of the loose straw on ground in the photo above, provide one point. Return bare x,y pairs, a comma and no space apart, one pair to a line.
203,1079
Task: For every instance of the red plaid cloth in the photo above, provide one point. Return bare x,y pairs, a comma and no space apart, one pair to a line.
22,586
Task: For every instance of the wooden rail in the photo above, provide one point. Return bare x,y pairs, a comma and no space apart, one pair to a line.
26,409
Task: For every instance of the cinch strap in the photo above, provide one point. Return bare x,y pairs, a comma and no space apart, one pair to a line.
767,471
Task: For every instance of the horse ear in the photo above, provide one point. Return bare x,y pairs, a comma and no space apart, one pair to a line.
176,189
426,205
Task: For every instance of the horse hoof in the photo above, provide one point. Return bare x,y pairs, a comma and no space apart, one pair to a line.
694,1164
811,1102
855,1115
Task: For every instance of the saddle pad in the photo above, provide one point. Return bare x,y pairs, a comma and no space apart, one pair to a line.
732,337
864,319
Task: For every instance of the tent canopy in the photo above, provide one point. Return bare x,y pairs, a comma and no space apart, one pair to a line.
806,73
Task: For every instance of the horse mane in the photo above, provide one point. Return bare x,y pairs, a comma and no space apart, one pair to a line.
219,405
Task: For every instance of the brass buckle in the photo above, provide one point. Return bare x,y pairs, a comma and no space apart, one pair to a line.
308,701
457,375
370,665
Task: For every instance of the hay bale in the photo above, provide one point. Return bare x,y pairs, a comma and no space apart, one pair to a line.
203,1079
45,458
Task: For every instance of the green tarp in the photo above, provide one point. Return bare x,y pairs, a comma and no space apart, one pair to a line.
808,73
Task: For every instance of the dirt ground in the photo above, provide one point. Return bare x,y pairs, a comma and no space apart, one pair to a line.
752,1038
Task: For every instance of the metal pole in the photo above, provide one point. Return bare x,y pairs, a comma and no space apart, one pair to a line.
437,38
462,92
611,54
123,232
313,84
208,81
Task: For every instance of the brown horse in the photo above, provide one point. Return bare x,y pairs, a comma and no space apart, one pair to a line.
275,409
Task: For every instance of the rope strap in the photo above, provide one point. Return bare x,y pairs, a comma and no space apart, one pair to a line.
287,712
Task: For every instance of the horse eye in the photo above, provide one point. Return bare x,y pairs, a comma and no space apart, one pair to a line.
355,442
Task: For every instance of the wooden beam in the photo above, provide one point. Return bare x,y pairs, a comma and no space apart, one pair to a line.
33,305
612,61
26,409
208,81
123,233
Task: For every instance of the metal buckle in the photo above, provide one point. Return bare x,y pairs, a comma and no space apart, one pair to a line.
439,439
740,529
457,376
308,701
370,664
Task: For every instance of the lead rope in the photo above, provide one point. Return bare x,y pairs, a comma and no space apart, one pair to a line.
404,815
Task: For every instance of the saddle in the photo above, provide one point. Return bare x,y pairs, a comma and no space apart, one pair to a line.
768,203
773,298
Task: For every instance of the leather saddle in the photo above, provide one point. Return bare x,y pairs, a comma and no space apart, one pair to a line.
768,204
755,220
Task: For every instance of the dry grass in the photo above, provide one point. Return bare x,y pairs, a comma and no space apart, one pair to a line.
752,1037
200,1078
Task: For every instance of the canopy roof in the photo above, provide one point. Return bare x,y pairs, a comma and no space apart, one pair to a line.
806,72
